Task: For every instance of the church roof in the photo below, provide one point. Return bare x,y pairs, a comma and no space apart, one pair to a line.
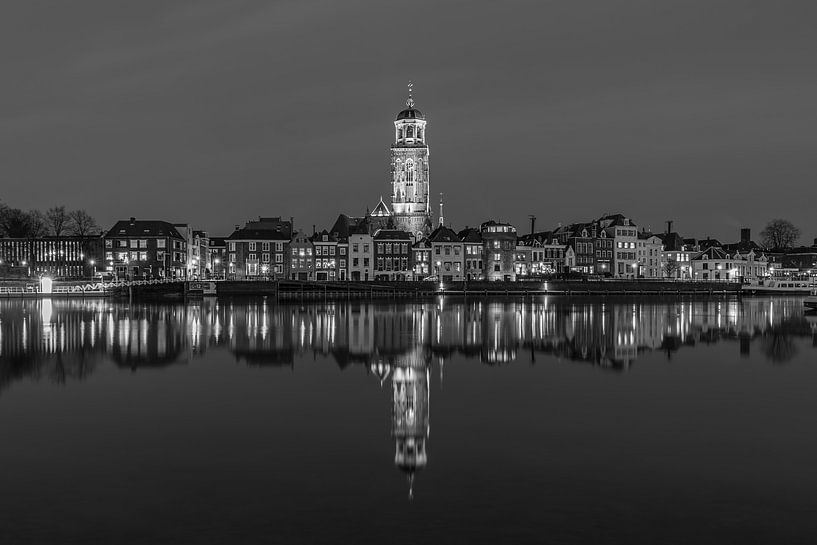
410,113
381,209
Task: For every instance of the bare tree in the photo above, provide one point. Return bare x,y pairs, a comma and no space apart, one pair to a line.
671,268
82,224
780,234
16,223
37,224
57,218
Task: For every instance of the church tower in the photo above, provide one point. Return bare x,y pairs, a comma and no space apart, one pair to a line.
410,205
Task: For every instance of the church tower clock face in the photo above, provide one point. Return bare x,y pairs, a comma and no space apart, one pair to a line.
409,171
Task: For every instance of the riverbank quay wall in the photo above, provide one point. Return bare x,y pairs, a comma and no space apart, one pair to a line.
306,291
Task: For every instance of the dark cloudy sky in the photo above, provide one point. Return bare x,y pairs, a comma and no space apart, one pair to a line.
212,112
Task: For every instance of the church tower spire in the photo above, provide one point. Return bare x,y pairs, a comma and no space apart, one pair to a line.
442,221
410,204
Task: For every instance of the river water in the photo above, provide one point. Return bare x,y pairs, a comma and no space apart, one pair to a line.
478,421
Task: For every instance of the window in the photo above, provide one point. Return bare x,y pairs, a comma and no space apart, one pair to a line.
496,244
497,257
279,258
342,263
108,243
264,246
355,248
294,251
122,243
252,257
405,247
436,250
143,256
456,250
279,246
252,246
265,257
134,256
232,258
331,250
232,246
448,250
365,248
342,250
143,243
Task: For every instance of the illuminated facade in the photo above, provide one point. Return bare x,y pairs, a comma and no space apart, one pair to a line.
410,207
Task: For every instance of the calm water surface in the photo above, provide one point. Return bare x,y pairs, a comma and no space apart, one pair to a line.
561,421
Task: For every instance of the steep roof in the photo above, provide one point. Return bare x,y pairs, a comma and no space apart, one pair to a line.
470,234
381,209
259,234
536,239
672,242
143,228
713,252
318,237
443,234
392,234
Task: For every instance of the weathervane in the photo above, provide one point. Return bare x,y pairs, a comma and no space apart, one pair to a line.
410,101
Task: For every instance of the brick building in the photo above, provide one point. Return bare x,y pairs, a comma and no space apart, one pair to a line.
145,249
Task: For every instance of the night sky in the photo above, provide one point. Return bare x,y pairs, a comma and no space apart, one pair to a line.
214,112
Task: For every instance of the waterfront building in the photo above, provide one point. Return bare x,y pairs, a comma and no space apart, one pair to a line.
713,264
624,234
803,258
410,206
392,255
259,249
603,259
301,258
447,256
361,256
750,267
472,246
56,257
145,249
676,255
648,252
547,256
580,238
326,256
499,249
344,230
217,250
200,256
421,259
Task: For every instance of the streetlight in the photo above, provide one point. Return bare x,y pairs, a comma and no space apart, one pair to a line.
93,264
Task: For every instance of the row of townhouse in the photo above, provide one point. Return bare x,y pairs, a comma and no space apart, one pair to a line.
369,248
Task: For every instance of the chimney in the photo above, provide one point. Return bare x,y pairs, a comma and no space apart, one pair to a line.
669,226
314,231
236,227
532,223
815,242
745,235
132,221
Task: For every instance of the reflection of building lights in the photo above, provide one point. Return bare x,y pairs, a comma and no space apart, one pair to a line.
46,285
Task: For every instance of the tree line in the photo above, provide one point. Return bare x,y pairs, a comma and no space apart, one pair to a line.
57,221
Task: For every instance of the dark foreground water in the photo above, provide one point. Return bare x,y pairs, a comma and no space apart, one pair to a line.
482,422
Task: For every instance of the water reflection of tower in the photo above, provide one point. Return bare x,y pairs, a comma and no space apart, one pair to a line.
410,418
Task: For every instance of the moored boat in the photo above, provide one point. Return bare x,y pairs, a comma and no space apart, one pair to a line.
780,286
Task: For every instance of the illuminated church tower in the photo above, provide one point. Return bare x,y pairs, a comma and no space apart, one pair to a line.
409,172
